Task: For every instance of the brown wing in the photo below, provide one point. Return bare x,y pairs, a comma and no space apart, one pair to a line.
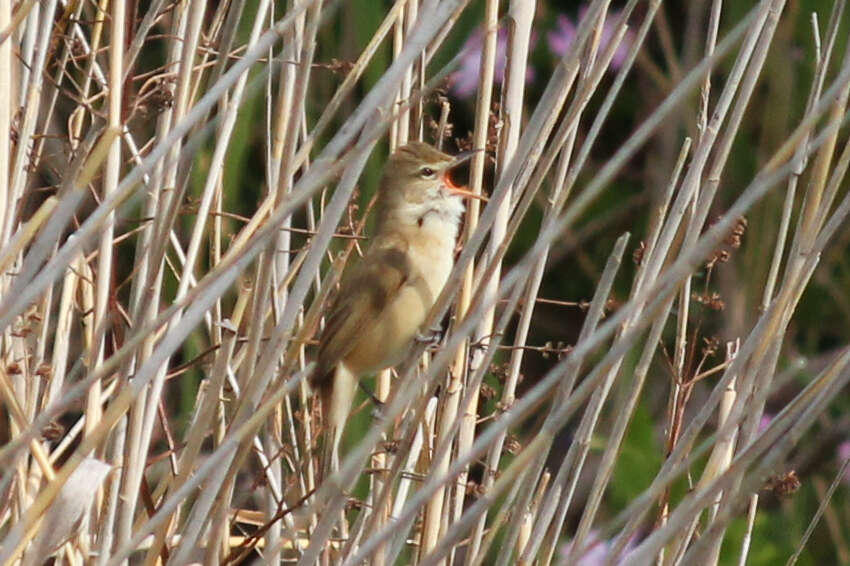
365,291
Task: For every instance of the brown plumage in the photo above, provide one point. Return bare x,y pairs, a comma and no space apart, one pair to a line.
384,298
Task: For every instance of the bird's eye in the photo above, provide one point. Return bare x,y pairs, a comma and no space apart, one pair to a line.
427,173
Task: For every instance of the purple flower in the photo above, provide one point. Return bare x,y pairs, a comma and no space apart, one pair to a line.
595,552
764,422
464,81
843,453
562,37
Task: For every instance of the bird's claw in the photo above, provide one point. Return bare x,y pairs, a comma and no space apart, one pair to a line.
431,337
378,412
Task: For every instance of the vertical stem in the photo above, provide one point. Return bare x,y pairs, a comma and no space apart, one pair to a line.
520,18
113,171
6,105
458,371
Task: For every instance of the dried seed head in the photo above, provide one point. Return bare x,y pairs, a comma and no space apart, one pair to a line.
512,445
474,489
337,66
487,392
160,98
500,371
710,346
640,250
733,240
52,431
784,485
711,301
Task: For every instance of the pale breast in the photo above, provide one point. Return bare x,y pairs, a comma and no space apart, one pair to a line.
432,258
431,261
429,249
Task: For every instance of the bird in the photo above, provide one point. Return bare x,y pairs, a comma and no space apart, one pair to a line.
384,298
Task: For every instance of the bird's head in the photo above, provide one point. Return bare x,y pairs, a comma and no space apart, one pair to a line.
417,183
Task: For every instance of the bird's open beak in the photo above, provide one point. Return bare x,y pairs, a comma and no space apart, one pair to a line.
454,189
463,192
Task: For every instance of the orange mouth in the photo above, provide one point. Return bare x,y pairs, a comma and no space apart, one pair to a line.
462,192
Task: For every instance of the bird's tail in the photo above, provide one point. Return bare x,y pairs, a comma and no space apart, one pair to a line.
336,394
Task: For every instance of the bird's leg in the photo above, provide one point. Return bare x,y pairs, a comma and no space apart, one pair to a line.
379,405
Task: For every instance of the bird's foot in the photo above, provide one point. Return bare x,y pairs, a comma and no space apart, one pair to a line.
377,413
431,337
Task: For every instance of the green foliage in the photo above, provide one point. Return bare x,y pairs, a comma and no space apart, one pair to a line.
638,462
